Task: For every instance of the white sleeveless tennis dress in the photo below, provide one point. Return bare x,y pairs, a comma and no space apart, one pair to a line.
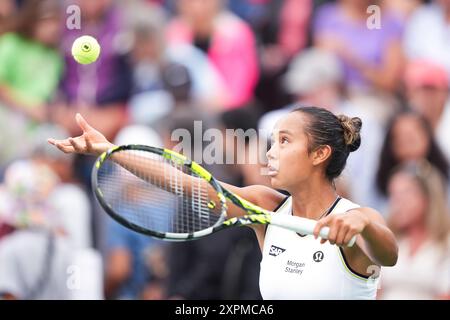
296,267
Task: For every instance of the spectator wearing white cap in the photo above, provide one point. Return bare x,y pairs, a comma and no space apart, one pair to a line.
314,77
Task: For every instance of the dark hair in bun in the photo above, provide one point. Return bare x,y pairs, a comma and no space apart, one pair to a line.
352,129
341,133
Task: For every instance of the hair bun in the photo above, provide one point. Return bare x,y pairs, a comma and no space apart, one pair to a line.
352,128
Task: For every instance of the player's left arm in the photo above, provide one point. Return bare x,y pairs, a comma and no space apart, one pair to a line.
375,239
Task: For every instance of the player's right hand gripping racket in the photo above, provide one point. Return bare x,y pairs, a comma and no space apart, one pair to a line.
163,194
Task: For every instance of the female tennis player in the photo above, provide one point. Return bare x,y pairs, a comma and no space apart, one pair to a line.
309,151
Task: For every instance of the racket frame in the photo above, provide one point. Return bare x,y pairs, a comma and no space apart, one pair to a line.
172,156
255,214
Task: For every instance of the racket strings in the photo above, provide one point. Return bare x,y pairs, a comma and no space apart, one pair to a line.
158,194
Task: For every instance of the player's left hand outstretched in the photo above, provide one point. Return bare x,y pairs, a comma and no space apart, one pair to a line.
342,226
90,142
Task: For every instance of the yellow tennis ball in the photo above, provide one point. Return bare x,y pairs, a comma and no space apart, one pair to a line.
85,49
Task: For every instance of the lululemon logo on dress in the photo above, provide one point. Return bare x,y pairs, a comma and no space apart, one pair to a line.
318,256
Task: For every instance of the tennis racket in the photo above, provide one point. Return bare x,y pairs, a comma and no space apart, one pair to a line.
163,194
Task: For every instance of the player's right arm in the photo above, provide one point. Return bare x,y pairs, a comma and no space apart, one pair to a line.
93,142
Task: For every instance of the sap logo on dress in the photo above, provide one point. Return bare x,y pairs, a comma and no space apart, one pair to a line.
275,251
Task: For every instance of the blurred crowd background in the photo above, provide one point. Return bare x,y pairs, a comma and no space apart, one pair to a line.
231,64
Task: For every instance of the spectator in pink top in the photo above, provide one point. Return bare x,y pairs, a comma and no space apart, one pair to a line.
226,39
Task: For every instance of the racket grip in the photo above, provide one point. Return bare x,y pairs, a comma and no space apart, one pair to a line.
303,226
326,230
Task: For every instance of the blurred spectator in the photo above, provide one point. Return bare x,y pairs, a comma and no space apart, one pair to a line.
126,270
178,83
145,24
420,219
253,12
372,58
248,147
402,8
7,10
427,88
228,41
28,52
138,134
420,43
281,29
99,90
126,253
186,131
30,72
167,75
156,287
283,24
25,270
314,77
69,198
409,137
35,260
200,83
25,190
223,266
150,101
284,33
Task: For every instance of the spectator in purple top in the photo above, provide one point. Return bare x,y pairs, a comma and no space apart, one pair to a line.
99,90
371,58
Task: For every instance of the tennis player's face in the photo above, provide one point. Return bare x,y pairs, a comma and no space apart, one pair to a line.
288,159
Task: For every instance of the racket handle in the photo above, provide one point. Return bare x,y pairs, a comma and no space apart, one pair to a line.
303,226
